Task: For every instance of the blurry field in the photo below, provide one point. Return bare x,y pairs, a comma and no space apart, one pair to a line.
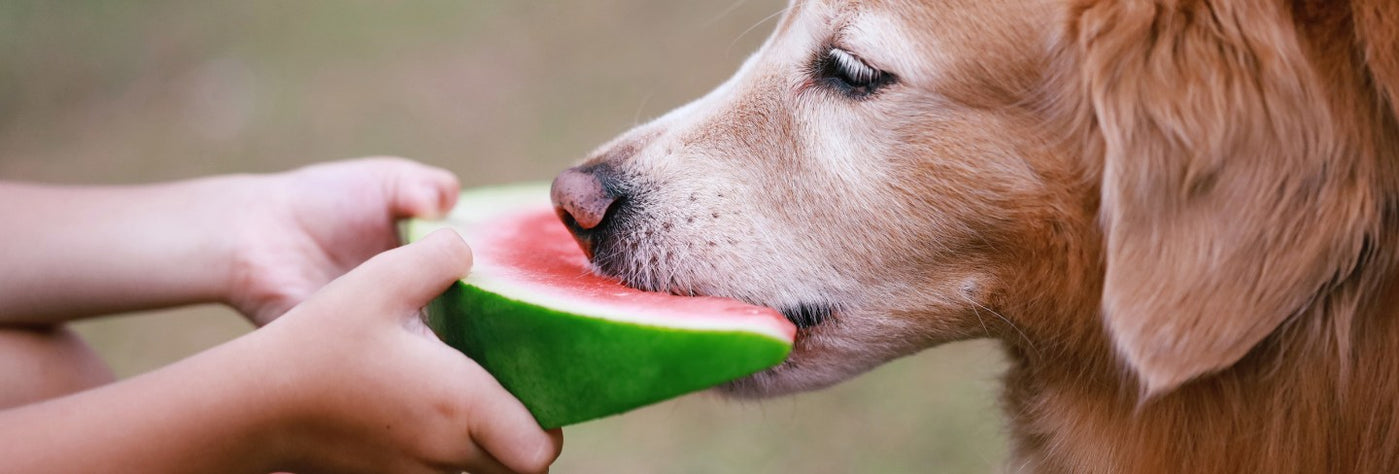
135,91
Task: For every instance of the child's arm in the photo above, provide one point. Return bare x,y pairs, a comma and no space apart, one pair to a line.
349,381
261,243
72,251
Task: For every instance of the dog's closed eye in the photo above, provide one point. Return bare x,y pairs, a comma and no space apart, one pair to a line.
843,72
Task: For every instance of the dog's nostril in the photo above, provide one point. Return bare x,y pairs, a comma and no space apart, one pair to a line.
582,196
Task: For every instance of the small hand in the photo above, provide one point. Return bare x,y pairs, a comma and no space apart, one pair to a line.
368,388
301,229
349,381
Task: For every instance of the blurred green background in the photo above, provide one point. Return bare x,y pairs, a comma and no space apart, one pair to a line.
128,91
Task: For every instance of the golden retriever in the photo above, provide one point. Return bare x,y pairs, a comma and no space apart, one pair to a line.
1180,217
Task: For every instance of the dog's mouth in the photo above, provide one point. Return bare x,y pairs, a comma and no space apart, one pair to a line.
605,262
804,315
809,315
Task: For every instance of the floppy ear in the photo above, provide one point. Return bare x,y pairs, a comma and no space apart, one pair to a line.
1228,202
1377,27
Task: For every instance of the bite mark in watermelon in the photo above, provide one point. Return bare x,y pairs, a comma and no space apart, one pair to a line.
574,345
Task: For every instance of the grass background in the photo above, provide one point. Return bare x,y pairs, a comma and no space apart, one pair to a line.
126,91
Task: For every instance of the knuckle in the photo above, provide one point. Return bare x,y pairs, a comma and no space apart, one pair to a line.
443,450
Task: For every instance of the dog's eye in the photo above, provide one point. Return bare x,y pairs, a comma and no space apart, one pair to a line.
848,74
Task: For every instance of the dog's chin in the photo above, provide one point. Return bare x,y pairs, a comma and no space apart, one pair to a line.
849,342
777,381
794,375
821,357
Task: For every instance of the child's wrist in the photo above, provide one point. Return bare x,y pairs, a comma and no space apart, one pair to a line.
221,206
286,416
234,230
262,402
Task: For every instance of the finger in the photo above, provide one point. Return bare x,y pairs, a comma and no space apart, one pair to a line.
402,280
263,314
471,458
481,462
507,430
418,190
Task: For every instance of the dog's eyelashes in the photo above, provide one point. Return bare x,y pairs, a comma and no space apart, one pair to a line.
852,69
849,74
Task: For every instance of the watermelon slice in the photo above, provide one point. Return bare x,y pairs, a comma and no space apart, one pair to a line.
573,345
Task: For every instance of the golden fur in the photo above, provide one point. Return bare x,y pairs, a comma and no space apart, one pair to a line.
1180,217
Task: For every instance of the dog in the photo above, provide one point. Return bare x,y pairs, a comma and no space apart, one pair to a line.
1180,218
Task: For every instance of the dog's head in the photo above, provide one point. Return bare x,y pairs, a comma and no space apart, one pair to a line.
896,174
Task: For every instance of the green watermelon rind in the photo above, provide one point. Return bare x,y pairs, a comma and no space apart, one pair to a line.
569,368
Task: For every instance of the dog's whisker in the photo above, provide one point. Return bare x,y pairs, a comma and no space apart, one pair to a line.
725,13
636,116
754,27
1023,336
982,320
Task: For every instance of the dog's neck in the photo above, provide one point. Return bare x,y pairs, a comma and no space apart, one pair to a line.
1318,395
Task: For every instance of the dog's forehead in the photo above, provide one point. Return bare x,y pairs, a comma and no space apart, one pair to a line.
921,41
875,31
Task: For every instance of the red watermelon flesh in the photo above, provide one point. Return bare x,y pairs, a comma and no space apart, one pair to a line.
574,345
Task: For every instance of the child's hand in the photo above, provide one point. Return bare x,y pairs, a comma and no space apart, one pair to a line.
301,229
377,392
348,381
261,243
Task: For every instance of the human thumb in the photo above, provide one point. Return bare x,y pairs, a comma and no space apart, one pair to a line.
404,279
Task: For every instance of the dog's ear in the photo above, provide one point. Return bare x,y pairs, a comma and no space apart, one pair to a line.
1377,27
1227,203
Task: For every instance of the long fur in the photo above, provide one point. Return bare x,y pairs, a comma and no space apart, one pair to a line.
1181,217
1246,152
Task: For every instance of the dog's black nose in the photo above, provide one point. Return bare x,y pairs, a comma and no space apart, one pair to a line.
583,197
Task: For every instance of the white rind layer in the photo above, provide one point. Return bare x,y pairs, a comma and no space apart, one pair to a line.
476,213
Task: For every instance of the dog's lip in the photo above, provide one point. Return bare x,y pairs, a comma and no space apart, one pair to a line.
803,315
807,315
